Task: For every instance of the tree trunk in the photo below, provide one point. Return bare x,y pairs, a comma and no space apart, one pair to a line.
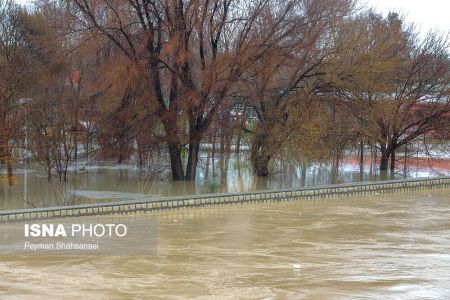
238,143
384,160
361,152
361,172
228,149
208,159
2,153
260,155
191,169
261,165
174,146
87,148
176,163
9,167
6,158
49,169
213,152
303,175
140,153
405,163
393,161
222,148
75,144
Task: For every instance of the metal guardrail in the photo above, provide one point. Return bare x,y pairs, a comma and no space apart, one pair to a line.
155,204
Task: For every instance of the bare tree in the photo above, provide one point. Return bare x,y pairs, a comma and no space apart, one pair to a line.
281,86
15,76
395,85
189,53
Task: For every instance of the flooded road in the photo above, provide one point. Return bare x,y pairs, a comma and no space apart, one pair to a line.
394,246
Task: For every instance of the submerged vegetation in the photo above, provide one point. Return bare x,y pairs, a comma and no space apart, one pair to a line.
163,81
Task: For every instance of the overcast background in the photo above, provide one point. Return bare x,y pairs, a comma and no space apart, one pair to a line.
427,15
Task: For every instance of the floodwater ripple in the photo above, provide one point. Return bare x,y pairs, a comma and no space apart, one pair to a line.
393,246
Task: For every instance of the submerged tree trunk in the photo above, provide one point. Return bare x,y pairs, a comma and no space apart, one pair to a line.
2,153
9,168
139,154
75,145
260,155
260,164
222,149
393,161
405,163
49,169
173,146
176,164
239,133
388,155
228,150
6,159
384,160
213,152
361,160
191,168
208,159
196,132
87,148
303,174
361,152
238,143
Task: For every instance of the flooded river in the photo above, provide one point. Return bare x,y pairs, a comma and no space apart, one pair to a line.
394,246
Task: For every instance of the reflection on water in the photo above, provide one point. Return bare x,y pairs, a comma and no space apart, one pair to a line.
125,182
392,246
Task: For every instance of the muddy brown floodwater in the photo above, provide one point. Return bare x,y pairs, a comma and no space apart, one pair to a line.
394,246
105,183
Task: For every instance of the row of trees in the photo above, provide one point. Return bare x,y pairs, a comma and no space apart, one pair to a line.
301,78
